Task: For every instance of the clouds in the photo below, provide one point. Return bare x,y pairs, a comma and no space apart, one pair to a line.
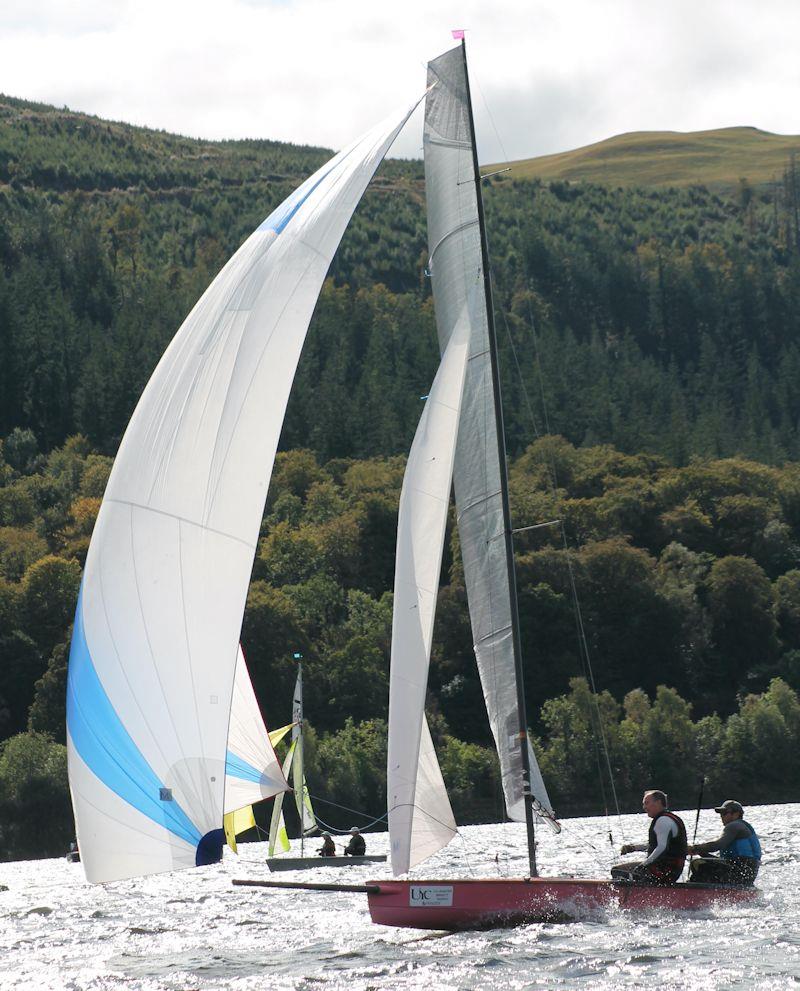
547,75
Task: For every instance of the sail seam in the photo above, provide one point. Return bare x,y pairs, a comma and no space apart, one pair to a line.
182,519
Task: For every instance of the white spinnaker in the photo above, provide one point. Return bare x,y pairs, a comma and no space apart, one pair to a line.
252,771
420,817
456,267
158,619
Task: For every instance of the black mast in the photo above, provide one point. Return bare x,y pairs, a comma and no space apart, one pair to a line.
501,447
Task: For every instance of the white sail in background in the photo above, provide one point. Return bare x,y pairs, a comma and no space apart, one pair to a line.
420,817
252,771
308,820
157,625
456,268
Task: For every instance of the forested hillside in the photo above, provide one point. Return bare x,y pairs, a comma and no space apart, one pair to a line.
650,349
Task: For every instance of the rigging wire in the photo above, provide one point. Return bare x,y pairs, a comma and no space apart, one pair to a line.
596,716
583,645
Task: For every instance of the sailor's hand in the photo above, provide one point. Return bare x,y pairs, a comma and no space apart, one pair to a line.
627,848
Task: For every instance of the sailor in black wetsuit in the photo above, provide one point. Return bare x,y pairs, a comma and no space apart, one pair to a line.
666,846
357,846
739,850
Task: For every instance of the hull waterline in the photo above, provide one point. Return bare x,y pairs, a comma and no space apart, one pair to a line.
496,903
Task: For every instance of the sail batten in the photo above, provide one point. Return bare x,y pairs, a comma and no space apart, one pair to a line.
166,577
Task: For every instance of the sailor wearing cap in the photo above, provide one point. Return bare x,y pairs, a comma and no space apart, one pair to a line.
739,850
357,846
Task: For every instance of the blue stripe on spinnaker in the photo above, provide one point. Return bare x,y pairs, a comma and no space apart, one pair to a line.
284,212
106,747
237,767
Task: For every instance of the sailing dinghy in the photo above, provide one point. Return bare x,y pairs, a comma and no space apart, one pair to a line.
461,433
294,767
156,633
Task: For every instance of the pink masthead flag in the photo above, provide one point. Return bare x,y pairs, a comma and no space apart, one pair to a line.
458,34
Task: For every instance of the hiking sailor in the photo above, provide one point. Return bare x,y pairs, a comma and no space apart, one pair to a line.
666,846
739,850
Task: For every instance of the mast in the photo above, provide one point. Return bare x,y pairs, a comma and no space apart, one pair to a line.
507,535
298,767
302,763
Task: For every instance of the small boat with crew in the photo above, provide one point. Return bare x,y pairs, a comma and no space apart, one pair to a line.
294,769
460,443
460,440
152,670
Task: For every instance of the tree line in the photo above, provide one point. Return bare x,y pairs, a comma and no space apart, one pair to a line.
686,581
659,320
649,340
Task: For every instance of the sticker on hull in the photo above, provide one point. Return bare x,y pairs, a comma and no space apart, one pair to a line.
429,895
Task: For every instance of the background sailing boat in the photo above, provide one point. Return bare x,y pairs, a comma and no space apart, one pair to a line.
294,768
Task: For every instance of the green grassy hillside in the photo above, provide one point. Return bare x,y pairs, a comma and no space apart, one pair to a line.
669,158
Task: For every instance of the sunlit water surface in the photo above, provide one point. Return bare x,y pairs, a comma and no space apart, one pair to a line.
195,930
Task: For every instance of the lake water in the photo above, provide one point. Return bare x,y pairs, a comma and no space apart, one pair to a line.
194,930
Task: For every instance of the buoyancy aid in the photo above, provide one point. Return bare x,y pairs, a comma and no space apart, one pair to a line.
677,846
745,846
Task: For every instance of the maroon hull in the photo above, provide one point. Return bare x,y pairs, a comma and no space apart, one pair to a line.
493,903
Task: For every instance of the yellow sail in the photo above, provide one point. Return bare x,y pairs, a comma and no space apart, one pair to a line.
277,735
237,822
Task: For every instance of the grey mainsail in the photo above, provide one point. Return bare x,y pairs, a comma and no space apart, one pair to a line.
457,272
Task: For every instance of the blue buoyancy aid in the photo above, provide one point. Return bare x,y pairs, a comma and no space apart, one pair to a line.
745,846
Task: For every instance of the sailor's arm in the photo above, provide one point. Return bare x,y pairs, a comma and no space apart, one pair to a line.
729,835
664,828
633,848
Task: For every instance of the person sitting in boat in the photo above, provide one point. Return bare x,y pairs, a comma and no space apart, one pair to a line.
327,849
739,850
666,845
357,846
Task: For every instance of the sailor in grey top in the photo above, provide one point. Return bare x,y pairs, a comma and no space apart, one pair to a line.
738,846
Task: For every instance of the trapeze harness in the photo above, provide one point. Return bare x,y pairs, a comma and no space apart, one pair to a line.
668,866
744,848
743,856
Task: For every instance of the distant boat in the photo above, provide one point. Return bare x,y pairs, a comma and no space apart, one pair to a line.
461,438
294,768
156,633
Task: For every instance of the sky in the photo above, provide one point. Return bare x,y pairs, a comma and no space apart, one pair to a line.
547,75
